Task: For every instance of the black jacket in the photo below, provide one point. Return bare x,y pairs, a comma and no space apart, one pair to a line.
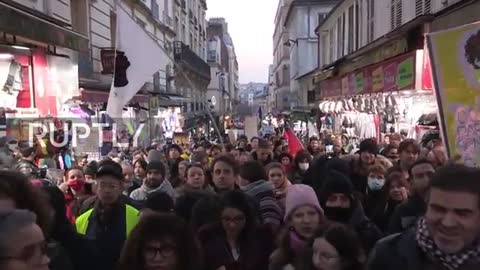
28,168
367,231
406,214
401,252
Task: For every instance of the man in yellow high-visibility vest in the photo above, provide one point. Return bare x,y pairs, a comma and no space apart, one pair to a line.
110,221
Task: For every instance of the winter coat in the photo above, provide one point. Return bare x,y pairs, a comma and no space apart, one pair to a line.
401,252
263,193
406,214
184,189
383,213
297,176
366,230
254,251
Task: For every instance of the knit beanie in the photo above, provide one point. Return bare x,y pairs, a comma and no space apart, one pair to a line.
154,155
300,195
336,182
175,146
156,165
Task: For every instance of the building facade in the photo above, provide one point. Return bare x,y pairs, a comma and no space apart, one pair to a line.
281,59
222,59
255,96
301,19
361,33
192,73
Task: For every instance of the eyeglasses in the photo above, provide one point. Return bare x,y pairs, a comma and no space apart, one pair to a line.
33,252
164,251
326,257
236,220
107,185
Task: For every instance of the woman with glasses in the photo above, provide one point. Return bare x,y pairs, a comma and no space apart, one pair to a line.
235,241
22,243
160,242
335,247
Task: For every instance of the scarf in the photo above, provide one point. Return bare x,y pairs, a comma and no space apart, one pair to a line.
450,261
281,192
297,244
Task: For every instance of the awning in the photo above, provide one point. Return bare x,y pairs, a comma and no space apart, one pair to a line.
15,21
322,75
102,96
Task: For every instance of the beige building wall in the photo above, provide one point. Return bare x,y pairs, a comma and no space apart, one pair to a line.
58,9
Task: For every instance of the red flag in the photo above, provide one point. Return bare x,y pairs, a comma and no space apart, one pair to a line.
294,144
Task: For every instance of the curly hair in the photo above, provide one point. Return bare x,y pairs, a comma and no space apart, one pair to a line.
158,227
472,50
16,187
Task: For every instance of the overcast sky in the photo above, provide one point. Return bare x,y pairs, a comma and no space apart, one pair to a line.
250,23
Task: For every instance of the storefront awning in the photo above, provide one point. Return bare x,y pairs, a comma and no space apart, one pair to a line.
102,96
14,20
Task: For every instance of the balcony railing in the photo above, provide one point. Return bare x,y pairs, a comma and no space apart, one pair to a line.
191,60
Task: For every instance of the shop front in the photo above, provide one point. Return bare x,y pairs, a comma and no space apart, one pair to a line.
394,96
38,66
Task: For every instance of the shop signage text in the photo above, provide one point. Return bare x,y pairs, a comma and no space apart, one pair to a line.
393,75
38,131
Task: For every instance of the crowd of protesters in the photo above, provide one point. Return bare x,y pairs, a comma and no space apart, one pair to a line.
251,205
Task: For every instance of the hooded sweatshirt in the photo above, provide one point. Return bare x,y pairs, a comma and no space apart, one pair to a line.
142,192
263,193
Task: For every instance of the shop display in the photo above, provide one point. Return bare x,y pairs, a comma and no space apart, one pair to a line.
374,116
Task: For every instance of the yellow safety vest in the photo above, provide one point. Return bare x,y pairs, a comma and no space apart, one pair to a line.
132,217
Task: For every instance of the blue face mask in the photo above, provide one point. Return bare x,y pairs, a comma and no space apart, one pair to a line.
375,184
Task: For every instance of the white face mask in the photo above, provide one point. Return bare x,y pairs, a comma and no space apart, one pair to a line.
303,166
375,184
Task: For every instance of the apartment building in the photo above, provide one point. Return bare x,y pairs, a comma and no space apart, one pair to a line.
281,59
221,56
301,20
192,74
361,33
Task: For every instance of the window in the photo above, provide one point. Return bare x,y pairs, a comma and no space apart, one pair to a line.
358,27
182,35
350,29
396,14
422,7
80,16
370,20
212,56
321,17
155,9
324,59
113,28
330,37
344,34
339,38
176,25
166,9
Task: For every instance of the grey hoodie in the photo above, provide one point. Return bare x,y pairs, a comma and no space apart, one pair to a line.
141,193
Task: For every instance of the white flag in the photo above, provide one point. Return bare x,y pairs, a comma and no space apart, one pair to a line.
145,57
